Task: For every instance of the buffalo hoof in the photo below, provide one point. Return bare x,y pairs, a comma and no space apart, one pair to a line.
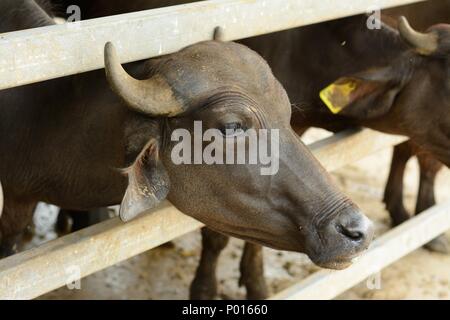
439,245
203,289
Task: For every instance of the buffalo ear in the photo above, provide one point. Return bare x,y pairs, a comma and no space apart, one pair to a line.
363,96
148,183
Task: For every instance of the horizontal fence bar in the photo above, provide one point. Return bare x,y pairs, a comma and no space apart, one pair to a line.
39,54
37,271
40,270
347,147
390,247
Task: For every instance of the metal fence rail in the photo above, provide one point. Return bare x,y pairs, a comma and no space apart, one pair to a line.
37,271
50,52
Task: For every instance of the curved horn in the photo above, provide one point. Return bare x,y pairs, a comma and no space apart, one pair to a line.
425,43
152,96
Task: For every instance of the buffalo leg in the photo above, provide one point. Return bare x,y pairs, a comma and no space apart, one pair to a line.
252,272
204,285
393,194
72,220
429,168
15,219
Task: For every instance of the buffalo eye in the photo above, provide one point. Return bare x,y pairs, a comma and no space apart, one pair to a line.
232,129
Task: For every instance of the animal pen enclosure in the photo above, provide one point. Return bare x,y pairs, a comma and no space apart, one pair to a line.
40,54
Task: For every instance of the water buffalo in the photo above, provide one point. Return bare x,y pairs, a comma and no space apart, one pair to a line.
298,57
408,96
69,150
349,47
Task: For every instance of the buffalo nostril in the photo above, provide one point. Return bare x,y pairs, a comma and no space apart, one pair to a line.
354,225
351,233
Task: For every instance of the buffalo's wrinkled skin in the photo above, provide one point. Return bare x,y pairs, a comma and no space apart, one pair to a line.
64,142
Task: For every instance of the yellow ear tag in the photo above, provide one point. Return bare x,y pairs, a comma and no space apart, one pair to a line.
337,96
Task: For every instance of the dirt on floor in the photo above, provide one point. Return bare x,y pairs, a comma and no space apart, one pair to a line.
166,272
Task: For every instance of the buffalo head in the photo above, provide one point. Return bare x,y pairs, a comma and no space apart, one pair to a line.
410,96
231,89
